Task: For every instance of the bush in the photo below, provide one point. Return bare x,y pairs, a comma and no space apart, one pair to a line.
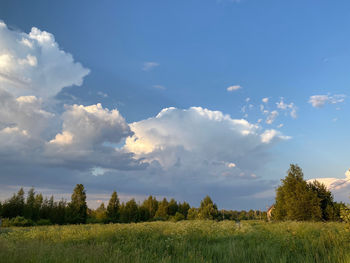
20,221
44,222
177,217
345,213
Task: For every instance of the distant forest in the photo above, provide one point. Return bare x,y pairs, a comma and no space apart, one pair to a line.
295,200
34,209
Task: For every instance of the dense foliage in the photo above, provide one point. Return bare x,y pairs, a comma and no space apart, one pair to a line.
296,199
36,210
299,200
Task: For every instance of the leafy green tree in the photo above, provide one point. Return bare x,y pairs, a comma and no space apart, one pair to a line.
113,208
326,200
295,199
143,213
163,209
183,208
151,204
77,206
129,212
178,217
207,209
101,213
173,207
192,214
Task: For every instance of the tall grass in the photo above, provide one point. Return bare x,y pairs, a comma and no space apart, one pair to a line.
186,241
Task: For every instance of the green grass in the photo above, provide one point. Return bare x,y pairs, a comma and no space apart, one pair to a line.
186,241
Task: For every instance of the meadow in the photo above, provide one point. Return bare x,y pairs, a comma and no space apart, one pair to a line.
185,241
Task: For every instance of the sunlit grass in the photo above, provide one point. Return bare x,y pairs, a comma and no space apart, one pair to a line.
186,241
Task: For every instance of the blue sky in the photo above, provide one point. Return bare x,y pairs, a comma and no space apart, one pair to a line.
144,56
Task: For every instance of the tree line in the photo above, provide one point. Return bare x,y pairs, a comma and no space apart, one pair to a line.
296,199
34,209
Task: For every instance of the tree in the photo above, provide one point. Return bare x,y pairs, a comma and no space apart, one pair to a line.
326,200
30,205
38,203
172,207
162,211
183,208
101,213
14,206
295,199
207,209
151,204
78,207
113,208
192,214
129,212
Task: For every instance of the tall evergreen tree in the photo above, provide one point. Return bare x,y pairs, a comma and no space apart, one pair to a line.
30,205
78,207
295,200
113,208
37,206
129,212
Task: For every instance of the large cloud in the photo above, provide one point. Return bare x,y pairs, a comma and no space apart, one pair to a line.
32,69
33,64
88,138
201,138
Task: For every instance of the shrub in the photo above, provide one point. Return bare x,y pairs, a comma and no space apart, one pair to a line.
44,222
21,221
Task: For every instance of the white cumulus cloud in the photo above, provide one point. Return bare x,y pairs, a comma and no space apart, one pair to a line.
198,136
33,64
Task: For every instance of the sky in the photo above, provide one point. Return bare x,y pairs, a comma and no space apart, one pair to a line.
175,99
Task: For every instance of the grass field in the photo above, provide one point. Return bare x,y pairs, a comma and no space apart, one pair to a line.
185,241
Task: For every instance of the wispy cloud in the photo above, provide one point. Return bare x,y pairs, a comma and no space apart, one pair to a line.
160,87
318,101
233,88
285,106
147,66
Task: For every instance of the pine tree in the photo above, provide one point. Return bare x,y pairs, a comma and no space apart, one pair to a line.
129,212
78,207
113,208
30,205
